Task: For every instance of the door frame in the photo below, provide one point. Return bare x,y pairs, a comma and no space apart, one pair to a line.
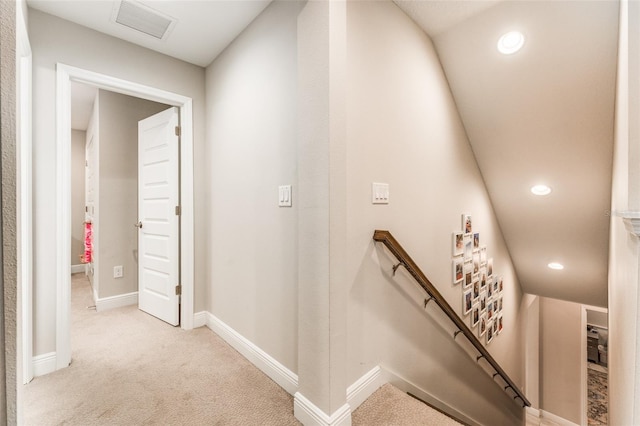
64,75
24,201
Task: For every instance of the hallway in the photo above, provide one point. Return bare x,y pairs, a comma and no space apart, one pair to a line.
130,368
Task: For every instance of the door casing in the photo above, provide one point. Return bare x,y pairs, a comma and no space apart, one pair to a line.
65,74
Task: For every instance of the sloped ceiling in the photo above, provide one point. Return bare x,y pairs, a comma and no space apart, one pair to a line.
542,115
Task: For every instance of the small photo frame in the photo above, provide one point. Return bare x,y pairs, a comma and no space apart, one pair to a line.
475,315
489,331
458,243
482,328
495,326
483,256
476,240
476,263
467,223
458,270
500,285
489,309
500,324
490,267
489,291
483,278
494,281
483,301
500,304
468,274
468,247
476,290
467,301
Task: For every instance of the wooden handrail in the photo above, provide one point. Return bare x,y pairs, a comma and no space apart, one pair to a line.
405,260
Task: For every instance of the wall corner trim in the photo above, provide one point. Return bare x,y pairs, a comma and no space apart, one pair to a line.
44,364
200,319
265,362
118,301
77,269
364,387
309,414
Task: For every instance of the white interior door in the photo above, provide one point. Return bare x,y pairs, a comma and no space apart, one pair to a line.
158,226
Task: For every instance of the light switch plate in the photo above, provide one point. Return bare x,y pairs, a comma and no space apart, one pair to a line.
380,193
284,196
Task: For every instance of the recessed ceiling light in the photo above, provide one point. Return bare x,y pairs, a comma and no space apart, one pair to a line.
541,190
555,265
511,42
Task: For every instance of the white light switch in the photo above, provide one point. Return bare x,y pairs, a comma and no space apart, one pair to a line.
284,196
380,193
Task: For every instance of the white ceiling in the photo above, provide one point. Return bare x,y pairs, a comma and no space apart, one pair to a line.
543,115
203,30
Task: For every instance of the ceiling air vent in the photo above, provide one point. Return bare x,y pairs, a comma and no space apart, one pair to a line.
142,18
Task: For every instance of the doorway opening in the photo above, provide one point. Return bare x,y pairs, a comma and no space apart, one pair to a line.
115,165
595,374
65,75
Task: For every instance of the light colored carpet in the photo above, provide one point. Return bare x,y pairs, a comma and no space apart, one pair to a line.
390,406
129,368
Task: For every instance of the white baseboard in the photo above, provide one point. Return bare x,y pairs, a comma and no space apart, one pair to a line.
116,301
556,419
407,386
44,364
200,319
76,269
265,362
309,414
362,388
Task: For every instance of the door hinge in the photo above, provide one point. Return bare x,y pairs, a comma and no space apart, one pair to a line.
177,210
178,290
177,130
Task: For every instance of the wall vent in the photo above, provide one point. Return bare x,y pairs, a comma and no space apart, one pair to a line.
140,17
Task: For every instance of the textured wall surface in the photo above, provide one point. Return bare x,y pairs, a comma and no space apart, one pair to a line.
9,249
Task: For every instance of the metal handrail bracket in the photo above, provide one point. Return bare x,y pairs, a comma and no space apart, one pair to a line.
405,260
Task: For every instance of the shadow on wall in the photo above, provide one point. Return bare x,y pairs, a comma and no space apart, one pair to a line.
417,344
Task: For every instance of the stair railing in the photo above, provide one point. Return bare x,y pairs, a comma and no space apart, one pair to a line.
405,260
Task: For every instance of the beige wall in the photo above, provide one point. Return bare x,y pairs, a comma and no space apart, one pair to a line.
118,182
8,134
624,247
251,150
403,129
597,318
78,139
561,358
531,337
54,40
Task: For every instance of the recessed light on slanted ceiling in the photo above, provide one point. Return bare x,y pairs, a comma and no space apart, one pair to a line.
510,43
556,266
540,190
140,17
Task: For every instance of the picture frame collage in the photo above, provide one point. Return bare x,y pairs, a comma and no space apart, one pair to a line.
482,289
